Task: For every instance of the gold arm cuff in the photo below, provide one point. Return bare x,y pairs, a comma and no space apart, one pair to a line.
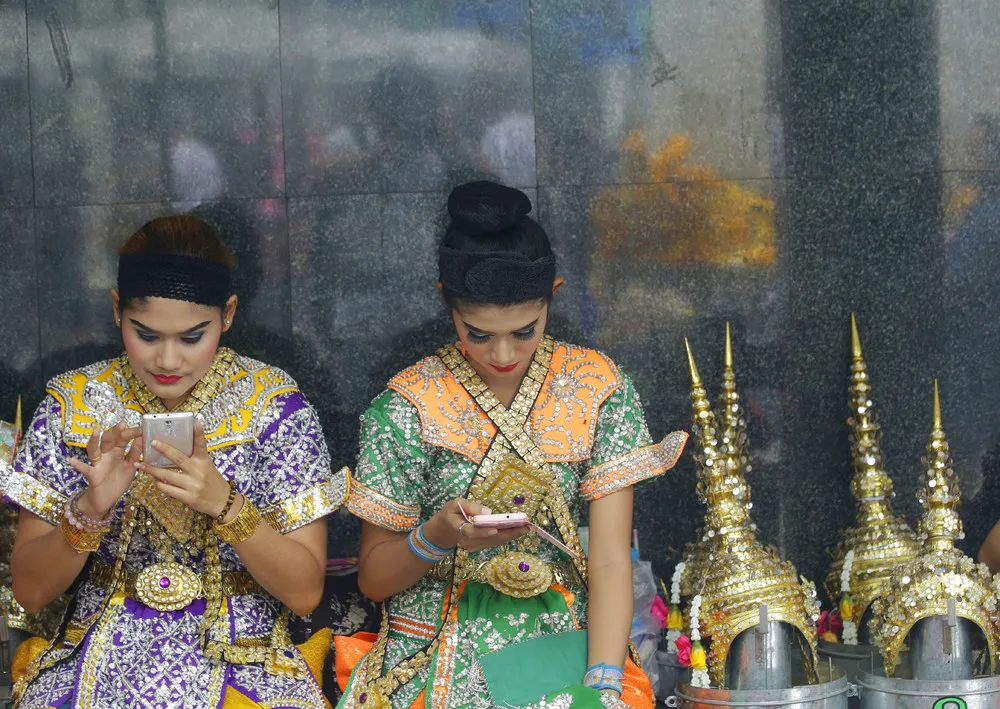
242,526
81,541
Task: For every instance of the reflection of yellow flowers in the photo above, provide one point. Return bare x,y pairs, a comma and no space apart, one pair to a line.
958,202
687,216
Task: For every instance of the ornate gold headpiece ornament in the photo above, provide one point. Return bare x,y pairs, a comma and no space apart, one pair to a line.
922,587
879,538
741,573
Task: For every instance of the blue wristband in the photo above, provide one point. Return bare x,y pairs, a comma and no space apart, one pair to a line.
419,554
433,547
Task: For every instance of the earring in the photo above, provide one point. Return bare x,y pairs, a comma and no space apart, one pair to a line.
228,323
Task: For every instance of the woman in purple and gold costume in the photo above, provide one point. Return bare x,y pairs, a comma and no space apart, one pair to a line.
186,575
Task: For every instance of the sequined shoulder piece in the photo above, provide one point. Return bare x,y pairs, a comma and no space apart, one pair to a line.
449,416
90,396
235,414
562,421
100,395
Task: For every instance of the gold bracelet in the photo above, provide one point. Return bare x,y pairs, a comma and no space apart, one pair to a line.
242,526
80,540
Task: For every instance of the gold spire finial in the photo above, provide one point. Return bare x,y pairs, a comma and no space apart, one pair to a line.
692,367
17,415
937,408
855,339
942,573
728,363
879,538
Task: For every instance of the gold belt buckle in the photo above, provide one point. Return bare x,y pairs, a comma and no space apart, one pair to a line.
167,586
518,574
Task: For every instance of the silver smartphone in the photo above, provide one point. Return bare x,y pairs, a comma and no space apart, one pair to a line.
175,429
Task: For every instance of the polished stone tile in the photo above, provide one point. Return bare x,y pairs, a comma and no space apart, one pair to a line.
971,339
969,61
609,74
79,252
173,101
19,350
382,98
644,270
859,88
871,245
15,141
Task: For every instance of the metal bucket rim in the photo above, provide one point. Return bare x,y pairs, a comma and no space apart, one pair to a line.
978,686
833,650
830,691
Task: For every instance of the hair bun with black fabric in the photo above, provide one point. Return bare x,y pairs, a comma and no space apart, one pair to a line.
483,208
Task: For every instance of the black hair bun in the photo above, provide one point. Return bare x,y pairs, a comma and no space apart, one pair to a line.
482,208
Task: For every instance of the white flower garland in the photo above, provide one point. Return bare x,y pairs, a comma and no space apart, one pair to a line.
675,602
699,678
850,632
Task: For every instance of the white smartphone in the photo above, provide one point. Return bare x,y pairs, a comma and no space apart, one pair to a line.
175,429
501,521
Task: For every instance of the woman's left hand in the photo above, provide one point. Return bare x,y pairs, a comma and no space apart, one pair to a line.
195,481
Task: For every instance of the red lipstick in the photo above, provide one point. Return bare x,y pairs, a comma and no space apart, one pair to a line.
166,380
508,368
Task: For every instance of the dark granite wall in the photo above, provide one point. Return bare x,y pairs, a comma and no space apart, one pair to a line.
774,163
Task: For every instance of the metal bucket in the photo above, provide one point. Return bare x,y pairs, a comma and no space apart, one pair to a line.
849,659
762,657
672,673
827,695
880,692
942,648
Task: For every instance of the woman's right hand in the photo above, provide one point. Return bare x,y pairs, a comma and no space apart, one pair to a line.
110,472
449,527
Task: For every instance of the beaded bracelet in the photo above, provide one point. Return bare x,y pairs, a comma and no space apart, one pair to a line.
82,521
424,549
229,502
603,676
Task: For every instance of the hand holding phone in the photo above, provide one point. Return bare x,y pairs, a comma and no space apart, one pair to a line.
174,428
510,520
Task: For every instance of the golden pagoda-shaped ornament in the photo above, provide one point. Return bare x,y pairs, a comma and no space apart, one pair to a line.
923,587
879,539
734,444
742,574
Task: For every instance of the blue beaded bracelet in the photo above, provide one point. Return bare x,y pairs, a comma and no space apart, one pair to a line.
424,549
433,547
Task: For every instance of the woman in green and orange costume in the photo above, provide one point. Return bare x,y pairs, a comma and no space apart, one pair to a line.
508,420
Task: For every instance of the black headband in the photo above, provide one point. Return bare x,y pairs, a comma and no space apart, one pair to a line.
175,276
497,277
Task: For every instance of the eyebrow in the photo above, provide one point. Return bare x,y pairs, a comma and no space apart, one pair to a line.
189,331
475,329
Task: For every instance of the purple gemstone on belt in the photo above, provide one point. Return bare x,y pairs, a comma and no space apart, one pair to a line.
524,566
518,499
164,582
363,698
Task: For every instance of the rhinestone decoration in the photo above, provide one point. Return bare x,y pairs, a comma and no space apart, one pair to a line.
167,586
